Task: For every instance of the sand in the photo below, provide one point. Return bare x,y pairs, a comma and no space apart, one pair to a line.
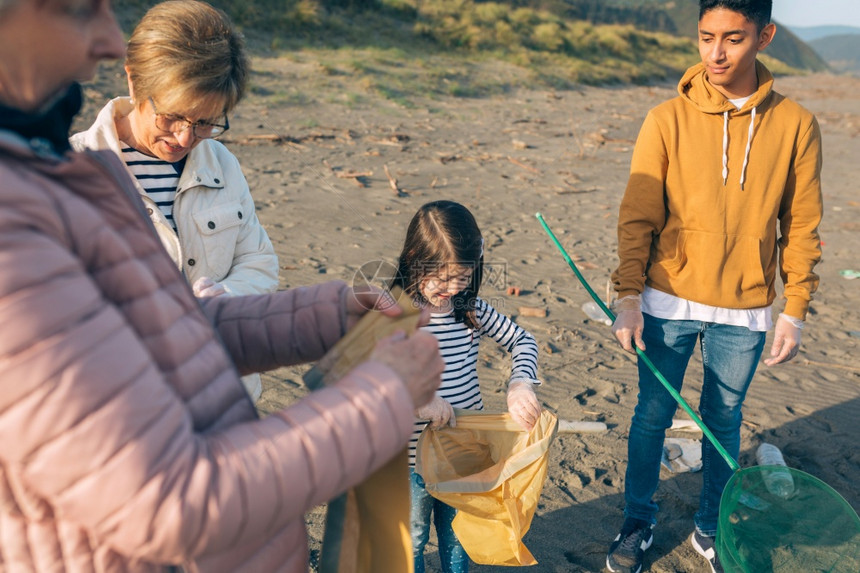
317,170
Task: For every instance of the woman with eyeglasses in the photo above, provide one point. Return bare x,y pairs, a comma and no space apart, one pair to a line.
187,69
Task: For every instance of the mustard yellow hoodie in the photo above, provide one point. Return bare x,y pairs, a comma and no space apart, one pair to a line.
719,198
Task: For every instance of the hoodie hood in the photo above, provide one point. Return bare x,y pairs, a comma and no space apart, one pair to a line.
695,89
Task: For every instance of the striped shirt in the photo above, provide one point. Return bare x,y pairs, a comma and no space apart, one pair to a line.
158,178
458,345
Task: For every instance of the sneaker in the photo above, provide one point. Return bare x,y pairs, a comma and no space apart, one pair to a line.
706,547
628,549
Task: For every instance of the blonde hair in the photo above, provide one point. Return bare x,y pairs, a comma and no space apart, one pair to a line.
186,54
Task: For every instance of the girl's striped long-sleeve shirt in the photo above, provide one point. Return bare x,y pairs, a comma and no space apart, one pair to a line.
459,347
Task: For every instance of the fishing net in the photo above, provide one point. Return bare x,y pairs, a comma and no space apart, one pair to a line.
809,528
767,522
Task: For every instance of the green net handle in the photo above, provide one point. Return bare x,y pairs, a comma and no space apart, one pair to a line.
678,398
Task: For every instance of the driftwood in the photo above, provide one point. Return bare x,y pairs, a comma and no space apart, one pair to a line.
356,176
392,182
523,165
532,311
808,362
265,138
395,140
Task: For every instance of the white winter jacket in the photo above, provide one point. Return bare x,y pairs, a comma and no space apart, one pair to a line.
219,235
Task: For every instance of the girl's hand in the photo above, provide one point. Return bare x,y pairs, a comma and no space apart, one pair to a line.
439,411
523,405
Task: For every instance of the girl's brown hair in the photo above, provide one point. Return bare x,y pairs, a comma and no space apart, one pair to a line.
185,54
443,233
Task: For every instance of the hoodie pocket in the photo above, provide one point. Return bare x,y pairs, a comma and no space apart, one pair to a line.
714,269
219,228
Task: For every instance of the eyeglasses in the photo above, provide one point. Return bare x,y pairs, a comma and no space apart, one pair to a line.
177,124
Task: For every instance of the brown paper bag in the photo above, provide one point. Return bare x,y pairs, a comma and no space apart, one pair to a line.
367,528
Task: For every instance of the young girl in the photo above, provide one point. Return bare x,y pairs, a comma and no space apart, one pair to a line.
441,266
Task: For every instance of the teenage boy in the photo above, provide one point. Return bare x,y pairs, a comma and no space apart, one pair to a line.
724,190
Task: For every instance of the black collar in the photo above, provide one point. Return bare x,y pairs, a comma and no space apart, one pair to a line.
51,123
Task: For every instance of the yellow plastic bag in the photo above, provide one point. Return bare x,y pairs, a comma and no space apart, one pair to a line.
493,472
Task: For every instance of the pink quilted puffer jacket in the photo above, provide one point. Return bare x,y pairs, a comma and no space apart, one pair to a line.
126,440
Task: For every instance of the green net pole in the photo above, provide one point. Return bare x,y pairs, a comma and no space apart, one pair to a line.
678,398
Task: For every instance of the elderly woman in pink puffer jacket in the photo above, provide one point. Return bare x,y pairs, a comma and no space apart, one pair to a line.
127,442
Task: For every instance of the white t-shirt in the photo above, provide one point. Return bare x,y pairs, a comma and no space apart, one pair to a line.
666,306
739,102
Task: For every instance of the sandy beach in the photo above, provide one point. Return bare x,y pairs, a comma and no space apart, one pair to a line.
335,184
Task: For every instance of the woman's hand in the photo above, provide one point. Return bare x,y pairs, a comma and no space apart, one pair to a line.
416,360
361,300
206,287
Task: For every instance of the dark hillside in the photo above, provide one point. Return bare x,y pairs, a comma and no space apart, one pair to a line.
788,48
810,33
841,52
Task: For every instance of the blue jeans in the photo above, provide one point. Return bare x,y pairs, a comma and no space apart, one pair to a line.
730,355
452,554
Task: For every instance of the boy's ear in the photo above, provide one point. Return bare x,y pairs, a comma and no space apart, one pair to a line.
766,35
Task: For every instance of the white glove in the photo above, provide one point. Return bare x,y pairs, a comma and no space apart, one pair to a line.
629,323
786,340
439,411
523,405
206,287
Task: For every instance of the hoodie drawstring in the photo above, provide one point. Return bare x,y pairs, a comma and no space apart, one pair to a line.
725,147
746,151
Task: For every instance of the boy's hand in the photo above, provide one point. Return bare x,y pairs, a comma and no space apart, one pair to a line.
786,340
629,324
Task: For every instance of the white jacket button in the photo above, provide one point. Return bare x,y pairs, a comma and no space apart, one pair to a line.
211,224
240,214
191,262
